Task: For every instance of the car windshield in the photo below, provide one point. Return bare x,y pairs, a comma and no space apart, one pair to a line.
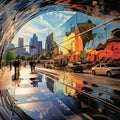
111,65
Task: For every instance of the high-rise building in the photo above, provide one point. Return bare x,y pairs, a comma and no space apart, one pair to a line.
20,50
49,43
39,46
20,42
34,42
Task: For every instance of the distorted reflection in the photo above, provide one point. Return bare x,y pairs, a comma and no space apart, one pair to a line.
70,95
83,96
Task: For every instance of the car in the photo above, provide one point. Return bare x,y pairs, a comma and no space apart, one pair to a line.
108,69
49,64
74,67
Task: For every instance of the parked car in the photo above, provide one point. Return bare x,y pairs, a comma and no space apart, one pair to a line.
108,69
74,67
49,64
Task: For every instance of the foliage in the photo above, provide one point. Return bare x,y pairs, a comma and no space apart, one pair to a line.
18,57
22,57
9,56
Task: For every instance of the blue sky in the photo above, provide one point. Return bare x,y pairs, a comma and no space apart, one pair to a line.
42,25
47,23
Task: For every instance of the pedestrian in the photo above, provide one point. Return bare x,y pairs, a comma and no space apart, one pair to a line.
25,64
10,65
34,64
31,65
16,65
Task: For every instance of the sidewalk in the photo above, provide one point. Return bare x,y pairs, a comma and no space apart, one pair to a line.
37,102
6,74
32,95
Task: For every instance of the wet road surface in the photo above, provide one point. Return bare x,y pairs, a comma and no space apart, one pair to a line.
51,95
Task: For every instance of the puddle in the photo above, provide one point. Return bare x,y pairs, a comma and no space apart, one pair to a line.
79,96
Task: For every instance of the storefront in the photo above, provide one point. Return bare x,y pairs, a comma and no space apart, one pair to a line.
61,61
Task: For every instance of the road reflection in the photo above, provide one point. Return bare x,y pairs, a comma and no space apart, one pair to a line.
80,96
83,96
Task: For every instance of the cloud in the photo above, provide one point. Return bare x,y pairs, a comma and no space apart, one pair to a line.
43,25
45,22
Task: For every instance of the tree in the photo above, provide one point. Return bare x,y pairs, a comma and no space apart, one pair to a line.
9,56
22,57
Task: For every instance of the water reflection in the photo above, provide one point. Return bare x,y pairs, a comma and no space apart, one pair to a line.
36,80
116,100
50,83
82,96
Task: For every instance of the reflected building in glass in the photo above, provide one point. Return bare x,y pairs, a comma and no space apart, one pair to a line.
79,37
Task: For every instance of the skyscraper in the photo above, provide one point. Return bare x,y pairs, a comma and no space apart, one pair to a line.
39,46
34,42
49,42
20,42
20,50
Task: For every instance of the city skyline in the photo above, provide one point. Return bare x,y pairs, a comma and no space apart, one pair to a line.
42,26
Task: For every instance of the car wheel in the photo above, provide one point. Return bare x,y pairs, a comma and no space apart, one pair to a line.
109,74
93,72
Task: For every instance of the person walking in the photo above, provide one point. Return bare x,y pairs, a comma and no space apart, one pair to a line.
16,65
31,65
10,65
34,64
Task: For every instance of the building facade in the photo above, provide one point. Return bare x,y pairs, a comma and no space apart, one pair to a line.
39,47
49,43
20,50
33,42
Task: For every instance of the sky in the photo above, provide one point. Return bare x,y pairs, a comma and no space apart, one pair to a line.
42,26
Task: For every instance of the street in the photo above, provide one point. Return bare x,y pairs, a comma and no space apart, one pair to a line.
67,93
112,82
102,90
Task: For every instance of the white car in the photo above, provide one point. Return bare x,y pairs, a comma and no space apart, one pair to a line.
108,69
